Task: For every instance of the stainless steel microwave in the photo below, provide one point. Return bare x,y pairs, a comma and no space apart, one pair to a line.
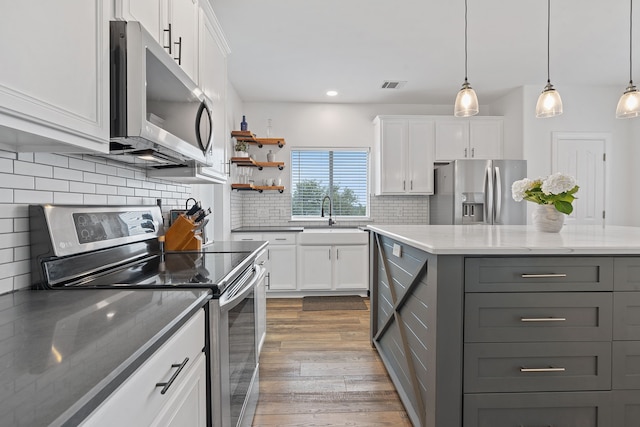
159,116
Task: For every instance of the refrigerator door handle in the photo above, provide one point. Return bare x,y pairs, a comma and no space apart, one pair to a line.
498,196
488,195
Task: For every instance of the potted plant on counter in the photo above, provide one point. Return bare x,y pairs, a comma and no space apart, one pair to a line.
554,196
241,149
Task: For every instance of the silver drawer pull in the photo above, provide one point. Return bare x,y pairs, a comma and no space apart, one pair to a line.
549,369
543,319
280,238
543,276
180,366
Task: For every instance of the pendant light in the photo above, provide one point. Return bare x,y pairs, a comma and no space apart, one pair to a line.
549,102
466,102
629,104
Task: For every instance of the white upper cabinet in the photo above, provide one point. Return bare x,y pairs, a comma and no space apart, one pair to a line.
182,18
54,78
404,155
213,82
147,12
472,138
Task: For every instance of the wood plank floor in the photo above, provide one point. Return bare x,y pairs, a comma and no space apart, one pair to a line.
317,368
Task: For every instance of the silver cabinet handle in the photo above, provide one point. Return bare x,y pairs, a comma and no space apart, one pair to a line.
404,185
542,276
337,254
251,240
543,319
179,43
411,184
180,366
465,153
549,369
473,152
280,238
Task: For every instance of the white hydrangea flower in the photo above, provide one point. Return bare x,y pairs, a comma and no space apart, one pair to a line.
558,183
518,188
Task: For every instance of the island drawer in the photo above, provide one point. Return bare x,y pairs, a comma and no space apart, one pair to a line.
538,274
627,274
626,408
626,365
505,367
626,317
535,317
578,409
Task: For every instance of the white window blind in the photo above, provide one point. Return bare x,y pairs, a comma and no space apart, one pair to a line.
340,174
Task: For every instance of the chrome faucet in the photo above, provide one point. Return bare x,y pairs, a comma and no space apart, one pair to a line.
331,222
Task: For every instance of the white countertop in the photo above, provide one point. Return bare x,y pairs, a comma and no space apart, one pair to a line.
515,239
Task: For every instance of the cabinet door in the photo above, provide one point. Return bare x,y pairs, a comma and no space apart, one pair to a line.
420,155
213,82
54,82
183,17
351,267
393,134
452,139
188,406
147,12
485,138
314,267
282,267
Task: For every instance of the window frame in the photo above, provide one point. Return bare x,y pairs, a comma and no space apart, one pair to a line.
308,218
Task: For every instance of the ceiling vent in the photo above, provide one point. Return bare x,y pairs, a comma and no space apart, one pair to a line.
392,84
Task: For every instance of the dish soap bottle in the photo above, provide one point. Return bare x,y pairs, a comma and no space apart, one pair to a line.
243,124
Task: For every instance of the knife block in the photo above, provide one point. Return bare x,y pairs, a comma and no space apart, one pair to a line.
181,237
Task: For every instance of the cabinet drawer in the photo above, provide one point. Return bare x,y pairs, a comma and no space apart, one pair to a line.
626,318
246,237
627,274
626,408
544,274
532,317
540,366
626,365
580,409
139,400
280,238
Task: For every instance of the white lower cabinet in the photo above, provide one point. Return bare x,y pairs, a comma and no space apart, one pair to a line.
333,267
180,365
280,258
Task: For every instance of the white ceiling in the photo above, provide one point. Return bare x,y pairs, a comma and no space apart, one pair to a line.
296,50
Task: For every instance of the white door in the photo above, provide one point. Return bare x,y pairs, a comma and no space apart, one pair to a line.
392,153
314,267
282,264
420,155
351,267
582,155
452,139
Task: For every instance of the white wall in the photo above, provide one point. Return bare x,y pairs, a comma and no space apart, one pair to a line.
511,108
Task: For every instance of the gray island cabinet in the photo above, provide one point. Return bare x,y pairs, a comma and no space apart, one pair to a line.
503,326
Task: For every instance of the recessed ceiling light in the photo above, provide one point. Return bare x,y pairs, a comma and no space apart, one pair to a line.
332,93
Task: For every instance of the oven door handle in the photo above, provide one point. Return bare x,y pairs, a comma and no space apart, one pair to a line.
227,303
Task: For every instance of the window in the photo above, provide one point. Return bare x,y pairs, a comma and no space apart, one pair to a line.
340,174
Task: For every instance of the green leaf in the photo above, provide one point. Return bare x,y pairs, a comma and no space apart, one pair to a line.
564,207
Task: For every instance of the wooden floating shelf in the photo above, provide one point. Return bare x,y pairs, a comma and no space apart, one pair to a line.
258,188
247,136
248,161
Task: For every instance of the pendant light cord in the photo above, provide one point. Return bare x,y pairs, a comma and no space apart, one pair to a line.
630,43
548,39
465,40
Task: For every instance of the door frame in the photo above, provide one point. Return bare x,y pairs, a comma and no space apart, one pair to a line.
605,137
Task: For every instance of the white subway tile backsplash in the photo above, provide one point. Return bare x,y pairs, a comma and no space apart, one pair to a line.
6,225
12,181
125,173
21,253
14,268
82,187
8,155
20,225
95,199
49,184
32,169
82,165
116,181
106,169
12,240
94,178
134,201
148,185
35,197
6,285
6,195
13,211
134,183
106,189
116,200
6,255
22,281
25,157
51,159
141,192
6,165
126,191
68,198
67,174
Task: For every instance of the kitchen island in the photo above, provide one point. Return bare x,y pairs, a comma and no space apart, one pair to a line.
506,326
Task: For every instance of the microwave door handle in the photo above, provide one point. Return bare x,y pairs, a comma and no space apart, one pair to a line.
201,110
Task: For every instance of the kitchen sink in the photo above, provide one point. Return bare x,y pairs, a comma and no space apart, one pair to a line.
333,236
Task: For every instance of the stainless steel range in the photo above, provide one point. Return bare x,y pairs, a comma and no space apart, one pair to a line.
80,247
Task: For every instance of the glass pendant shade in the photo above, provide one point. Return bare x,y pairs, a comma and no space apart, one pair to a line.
549,103
466,102
629,103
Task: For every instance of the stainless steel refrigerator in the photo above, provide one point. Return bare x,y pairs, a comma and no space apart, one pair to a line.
477,192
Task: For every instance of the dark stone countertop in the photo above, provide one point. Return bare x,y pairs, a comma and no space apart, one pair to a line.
63,352
268,229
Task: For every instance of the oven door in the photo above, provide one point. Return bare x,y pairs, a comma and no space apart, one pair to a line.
233,353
